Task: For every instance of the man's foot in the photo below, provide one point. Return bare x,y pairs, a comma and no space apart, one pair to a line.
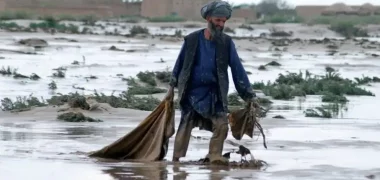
218,159
175,159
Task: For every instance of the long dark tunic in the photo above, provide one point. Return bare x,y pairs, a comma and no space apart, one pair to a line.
202,92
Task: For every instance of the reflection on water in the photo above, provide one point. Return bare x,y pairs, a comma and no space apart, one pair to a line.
179,174
81,131
162,171
146,172
6,136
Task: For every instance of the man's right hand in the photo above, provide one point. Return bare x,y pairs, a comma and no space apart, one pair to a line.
170,93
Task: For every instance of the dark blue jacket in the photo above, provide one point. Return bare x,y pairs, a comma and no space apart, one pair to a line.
190,78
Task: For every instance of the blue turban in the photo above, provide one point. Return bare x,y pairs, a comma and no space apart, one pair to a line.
217,9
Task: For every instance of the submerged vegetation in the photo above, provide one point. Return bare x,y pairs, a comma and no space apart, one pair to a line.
145,85
348,29
76,117
331,87
9,71
324,111
48,24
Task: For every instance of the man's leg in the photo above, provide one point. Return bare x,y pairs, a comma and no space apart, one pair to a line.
182,137
220,132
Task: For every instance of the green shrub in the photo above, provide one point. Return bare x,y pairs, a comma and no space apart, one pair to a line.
348,29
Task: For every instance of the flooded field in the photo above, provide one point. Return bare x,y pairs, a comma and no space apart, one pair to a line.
34,145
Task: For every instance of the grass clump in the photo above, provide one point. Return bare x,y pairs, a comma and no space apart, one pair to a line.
136,89
60,73
52,24
10,15
330,97
52,85
260,85
147,77
8,71
10,26
74,100
262,68
138,30
34,76
149,82
19,76
235,100
13,71
163,76
318,112
365,80
76,117
128,100
348,29
21,103
144,90
331,86
273,63
324,111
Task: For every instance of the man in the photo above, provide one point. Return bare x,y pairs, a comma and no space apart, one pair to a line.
200,74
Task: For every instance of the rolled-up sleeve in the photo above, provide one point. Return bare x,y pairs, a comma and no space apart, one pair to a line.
239,75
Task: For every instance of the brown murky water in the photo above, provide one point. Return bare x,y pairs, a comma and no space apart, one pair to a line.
33,145
298,148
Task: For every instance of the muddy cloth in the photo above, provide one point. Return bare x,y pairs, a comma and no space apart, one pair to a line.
148,141
243,121
201,75
218,125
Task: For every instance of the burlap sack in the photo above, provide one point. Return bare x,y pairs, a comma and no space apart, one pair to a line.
148,141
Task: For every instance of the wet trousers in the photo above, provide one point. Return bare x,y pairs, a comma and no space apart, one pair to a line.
189,121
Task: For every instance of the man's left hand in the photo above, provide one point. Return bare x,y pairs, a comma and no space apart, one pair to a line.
253,103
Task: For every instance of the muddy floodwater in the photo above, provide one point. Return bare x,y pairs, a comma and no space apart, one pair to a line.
34,145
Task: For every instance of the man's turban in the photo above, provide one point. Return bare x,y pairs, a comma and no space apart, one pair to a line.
217,9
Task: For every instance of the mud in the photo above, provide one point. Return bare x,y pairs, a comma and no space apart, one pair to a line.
35,145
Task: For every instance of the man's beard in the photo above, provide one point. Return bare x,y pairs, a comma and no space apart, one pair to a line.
215,31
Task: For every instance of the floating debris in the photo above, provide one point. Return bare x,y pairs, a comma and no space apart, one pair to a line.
52,85
273,63
262,68
278,117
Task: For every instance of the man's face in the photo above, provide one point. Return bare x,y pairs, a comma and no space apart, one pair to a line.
216,26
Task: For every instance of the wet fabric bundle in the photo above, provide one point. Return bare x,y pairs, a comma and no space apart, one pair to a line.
149,140
243,121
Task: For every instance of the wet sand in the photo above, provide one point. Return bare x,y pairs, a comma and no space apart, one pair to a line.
345,147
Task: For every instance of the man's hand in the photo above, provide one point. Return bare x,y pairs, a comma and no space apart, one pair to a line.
170,93
253,103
